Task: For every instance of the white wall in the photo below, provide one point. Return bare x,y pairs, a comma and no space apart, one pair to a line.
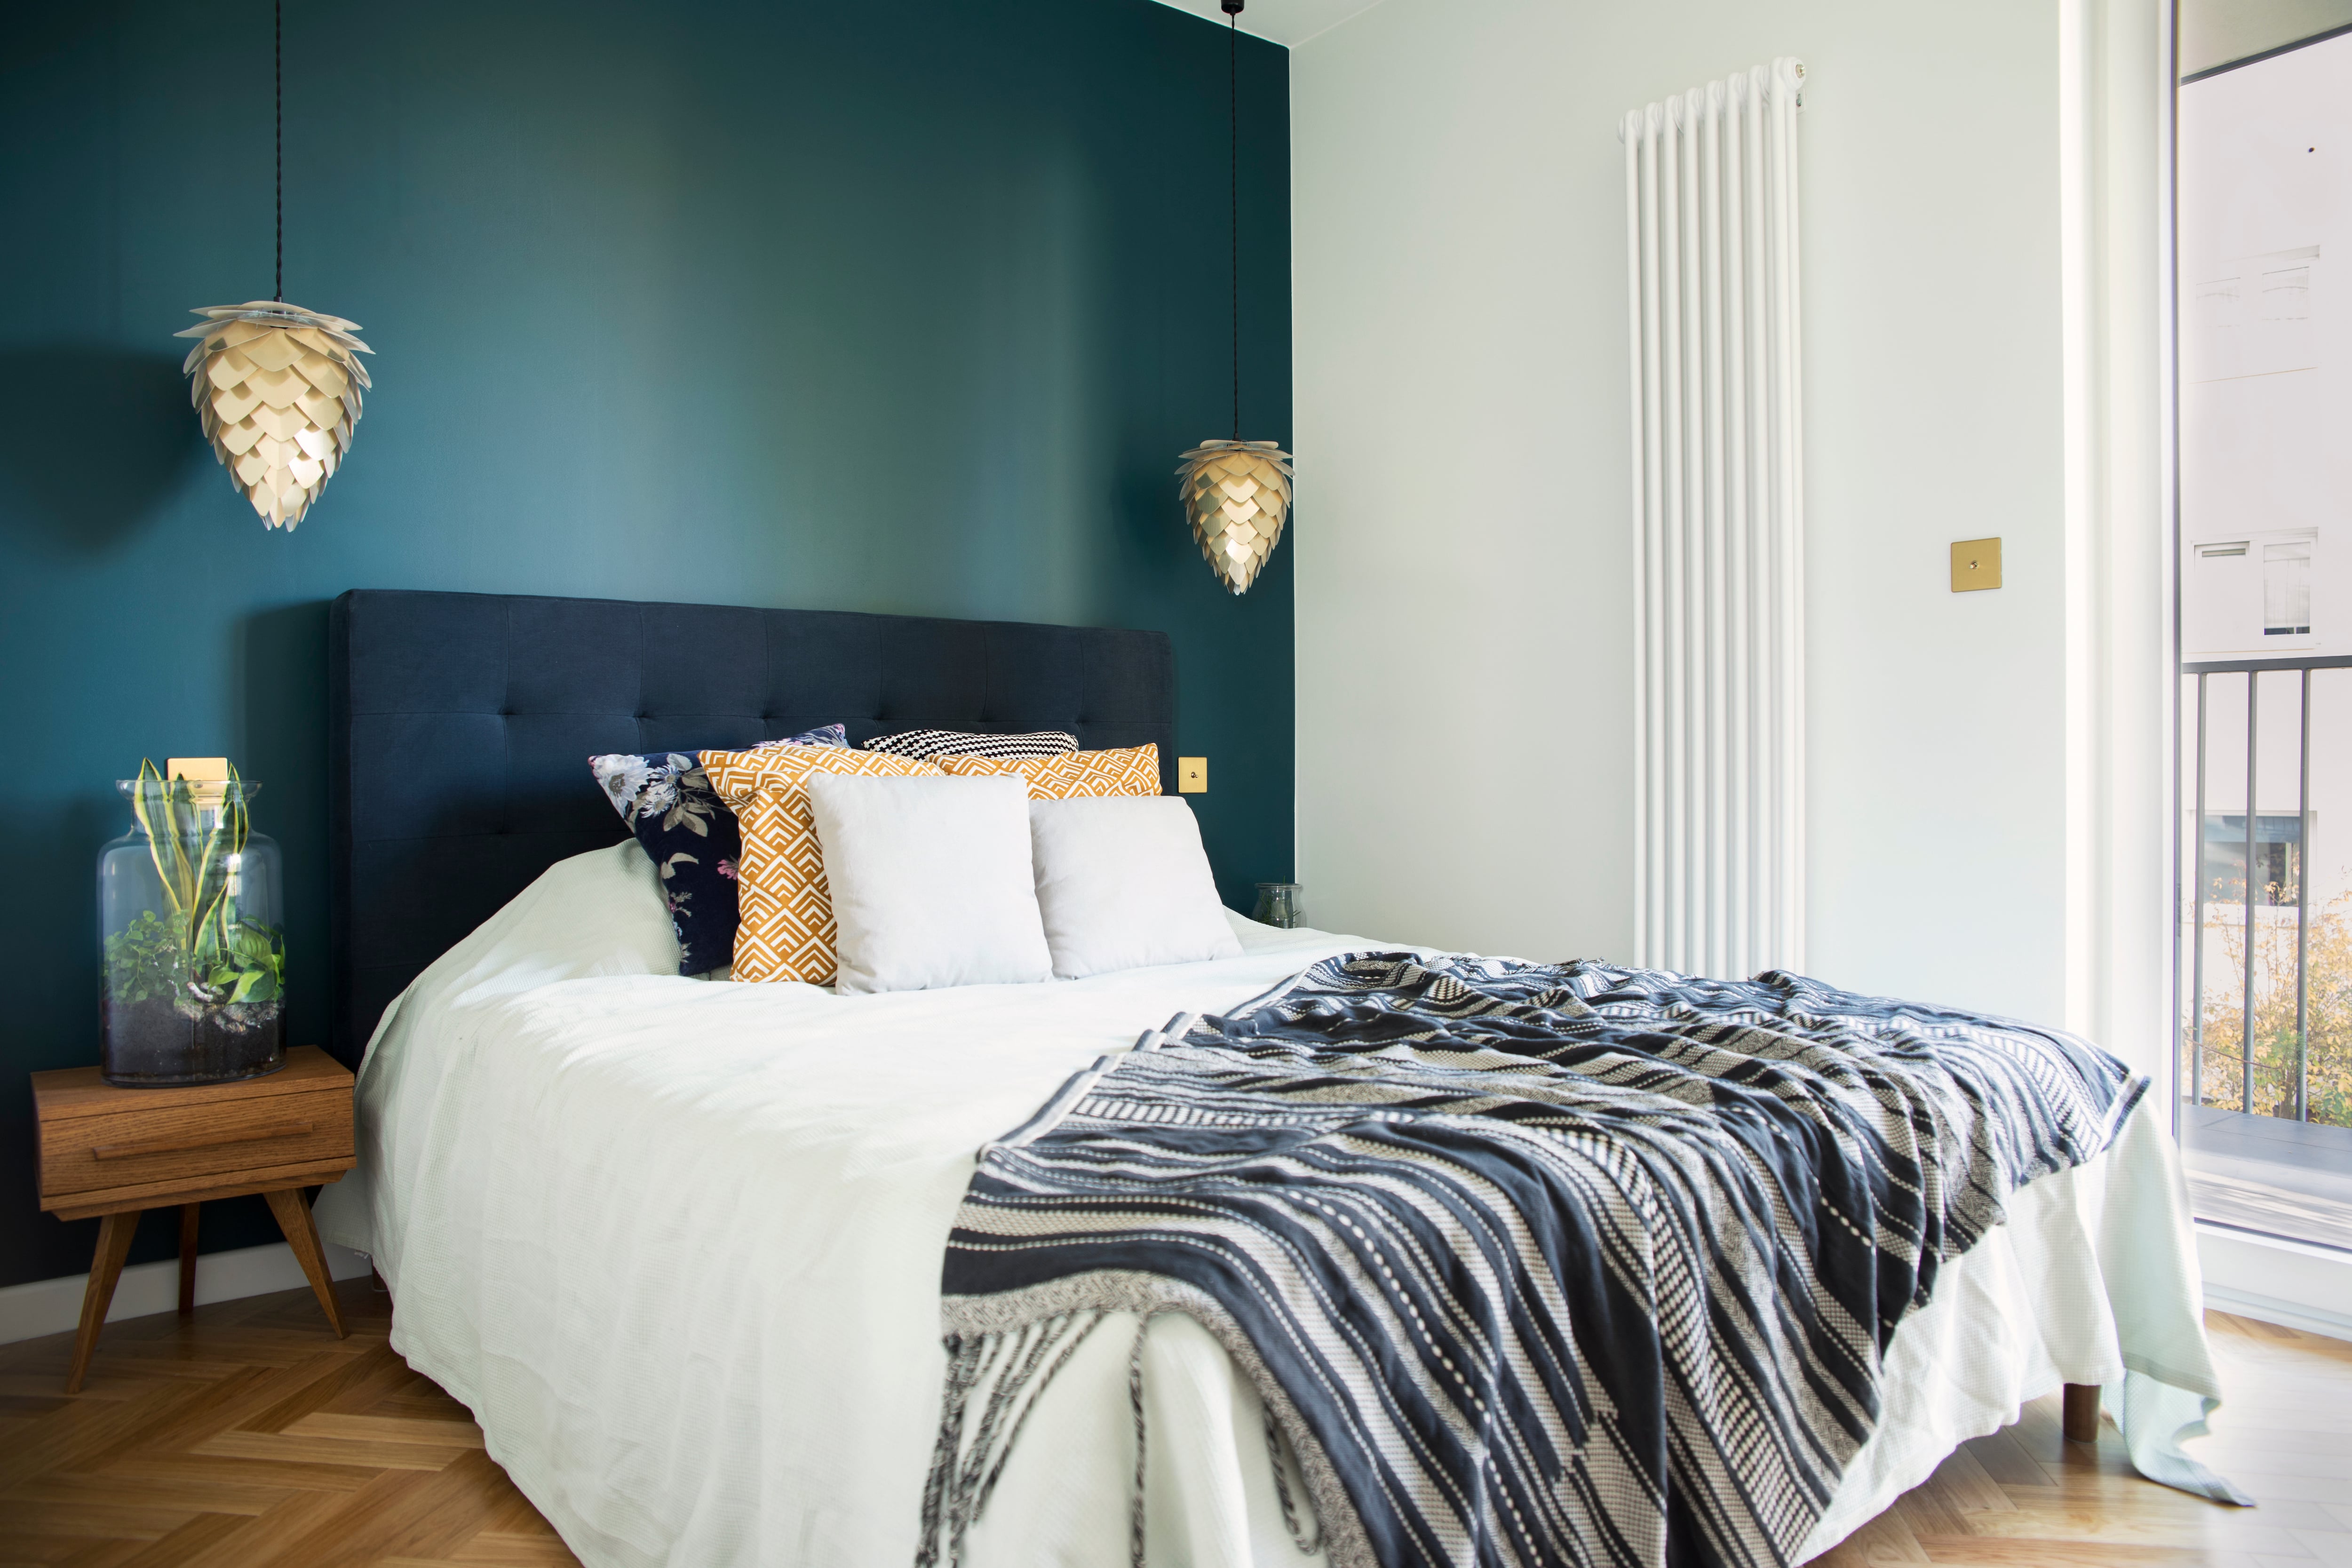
39,1306
1463,631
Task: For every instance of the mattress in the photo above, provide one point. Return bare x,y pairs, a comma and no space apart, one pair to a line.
677,1245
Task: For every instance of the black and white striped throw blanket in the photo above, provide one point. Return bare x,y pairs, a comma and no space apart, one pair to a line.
1532,1264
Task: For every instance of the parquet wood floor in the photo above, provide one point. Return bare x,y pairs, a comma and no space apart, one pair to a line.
246,1436
2026,1498
249,1436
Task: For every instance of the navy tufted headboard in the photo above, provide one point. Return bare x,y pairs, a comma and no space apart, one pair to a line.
460,725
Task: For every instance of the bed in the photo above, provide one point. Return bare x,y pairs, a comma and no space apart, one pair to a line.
678,1244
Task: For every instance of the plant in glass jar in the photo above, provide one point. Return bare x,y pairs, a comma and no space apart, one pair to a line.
196,962
1279,904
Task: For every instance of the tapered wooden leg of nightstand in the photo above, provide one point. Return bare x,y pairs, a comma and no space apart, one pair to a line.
293,1211
114,1233
188,1257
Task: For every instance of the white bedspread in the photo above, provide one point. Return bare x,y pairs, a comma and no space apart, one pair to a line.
677,1245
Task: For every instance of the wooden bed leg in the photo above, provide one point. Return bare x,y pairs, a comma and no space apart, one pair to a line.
2082,1417
188,1213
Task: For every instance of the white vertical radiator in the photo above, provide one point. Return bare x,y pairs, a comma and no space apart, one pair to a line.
1718,526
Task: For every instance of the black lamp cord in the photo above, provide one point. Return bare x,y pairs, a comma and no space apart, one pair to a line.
1233,189
278,71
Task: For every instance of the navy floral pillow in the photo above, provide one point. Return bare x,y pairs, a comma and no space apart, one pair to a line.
823,735
692,837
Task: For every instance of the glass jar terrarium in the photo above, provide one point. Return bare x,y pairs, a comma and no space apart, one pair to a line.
1279,904
190,921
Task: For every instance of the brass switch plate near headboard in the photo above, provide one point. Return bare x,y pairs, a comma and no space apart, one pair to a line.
1976,563
1192,775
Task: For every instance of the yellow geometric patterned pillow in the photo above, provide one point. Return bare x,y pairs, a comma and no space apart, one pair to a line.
1132,770
788,933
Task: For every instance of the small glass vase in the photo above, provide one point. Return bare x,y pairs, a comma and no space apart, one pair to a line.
1279,904
193,988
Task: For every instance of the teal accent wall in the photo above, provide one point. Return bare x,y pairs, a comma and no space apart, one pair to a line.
896,305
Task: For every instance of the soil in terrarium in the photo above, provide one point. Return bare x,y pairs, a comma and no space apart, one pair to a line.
154,1043
179,1012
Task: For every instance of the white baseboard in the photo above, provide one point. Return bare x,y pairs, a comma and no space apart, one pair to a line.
2277,1280
54,1306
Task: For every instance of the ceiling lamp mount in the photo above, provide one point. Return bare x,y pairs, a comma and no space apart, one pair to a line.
1237,493
277,386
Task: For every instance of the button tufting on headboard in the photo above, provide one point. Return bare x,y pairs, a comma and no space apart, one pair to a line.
460,726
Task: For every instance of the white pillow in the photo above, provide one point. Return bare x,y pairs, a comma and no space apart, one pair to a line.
1123,882
931,881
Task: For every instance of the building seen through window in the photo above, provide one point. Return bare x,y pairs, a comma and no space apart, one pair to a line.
2265,388
2278,857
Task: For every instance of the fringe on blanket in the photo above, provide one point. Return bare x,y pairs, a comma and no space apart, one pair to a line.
1008,1372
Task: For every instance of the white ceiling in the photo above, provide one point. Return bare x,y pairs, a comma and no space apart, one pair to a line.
1286,22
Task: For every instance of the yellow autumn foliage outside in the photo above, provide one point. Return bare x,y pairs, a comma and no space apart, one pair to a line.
2329,1057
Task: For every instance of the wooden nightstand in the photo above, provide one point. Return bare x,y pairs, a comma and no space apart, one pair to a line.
117,1152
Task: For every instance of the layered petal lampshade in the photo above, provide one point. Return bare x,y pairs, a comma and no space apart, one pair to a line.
278,390
1237,494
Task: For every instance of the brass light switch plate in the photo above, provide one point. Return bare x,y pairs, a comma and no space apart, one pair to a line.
1976,563
1192,775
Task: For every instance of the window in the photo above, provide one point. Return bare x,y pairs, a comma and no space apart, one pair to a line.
2217,301
2286,294
2286,589
2243,593
2265,545
2278,857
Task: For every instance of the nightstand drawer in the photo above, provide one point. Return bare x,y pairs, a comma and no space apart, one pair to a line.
185,1142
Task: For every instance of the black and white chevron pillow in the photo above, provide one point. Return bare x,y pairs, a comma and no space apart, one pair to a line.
926,743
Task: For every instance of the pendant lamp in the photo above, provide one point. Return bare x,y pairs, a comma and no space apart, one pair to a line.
1237,493
277,386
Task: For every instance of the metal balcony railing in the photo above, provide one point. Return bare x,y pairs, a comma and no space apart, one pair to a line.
2259,862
